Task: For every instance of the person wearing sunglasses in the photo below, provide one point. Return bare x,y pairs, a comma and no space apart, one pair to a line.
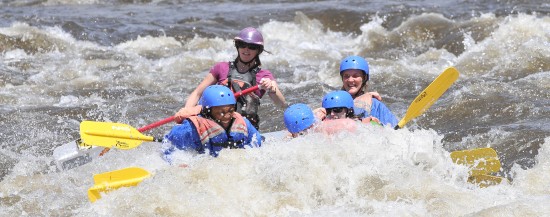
354,72
338,105
300,120
339,115
243,72
216,128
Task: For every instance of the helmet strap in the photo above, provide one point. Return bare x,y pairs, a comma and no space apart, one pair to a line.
247,63
206,112
350,113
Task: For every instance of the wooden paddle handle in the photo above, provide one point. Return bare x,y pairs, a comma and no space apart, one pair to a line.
170,119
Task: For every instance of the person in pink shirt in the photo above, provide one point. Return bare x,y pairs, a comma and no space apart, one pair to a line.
243,72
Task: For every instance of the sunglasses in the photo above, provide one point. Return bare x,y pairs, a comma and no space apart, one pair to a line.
335,110
242,44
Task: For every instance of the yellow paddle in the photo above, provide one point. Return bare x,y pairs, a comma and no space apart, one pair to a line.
105,134
486,180
109,181
482,162
429,95
123,136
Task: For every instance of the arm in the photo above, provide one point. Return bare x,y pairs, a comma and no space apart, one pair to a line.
191,107
183,137
375,95
253,134
194,97
186,112
273,91
380,111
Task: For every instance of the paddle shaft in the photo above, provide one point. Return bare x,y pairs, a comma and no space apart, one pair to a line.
170,119
429,95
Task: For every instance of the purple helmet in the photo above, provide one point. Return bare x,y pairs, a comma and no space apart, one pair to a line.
251,35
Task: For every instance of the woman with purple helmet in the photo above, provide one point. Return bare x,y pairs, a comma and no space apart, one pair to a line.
243,72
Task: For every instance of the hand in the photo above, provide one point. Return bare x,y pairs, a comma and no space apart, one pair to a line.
375,95
187,112
320,113
268,85
369,119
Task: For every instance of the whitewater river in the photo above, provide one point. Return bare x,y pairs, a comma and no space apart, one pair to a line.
135,62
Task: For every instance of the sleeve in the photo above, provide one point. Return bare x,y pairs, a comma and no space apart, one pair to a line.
380,111
264,73
183,136
254,137
220,71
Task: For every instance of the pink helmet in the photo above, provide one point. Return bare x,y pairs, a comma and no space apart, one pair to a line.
251,35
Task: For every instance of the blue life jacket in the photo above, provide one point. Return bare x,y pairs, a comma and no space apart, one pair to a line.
200,134
377,110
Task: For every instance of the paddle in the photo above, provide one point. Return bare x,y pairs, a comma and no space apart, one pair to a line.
123,136
109,181
486,180
429,95
77,153
170,119
482,162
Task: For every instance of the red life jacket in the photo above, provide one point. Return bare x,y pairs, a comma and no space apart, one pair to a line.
208,129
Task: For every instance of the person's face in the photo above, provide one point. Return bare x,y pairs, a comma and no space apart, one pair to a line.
223,114
352,80
301,133
247,51
336,113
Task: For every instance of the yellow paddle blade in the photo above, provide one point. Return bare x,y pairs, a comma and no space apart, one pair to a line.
106,134
109,181
486,180
429,95
482,160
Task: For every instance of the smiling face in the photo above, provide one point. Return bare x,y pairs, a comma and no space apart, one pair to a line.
353,80
223,114
247,52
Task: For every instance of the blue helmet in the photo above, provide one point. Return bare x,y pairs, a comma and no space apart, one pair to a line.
217,95
355,62
298,117
337,99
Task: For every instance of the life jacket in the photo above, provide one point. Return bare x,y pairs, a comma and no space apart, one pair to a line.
362,106
214,137
248,104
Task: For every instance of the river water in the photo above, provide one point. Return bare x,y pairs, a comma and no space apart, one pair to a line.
135,62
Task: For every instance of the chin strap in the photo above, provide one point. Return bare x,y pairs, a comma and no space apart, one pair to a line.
247,63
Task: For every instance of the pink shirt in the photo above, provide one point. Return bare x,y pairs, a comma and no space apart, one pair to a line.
221,69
